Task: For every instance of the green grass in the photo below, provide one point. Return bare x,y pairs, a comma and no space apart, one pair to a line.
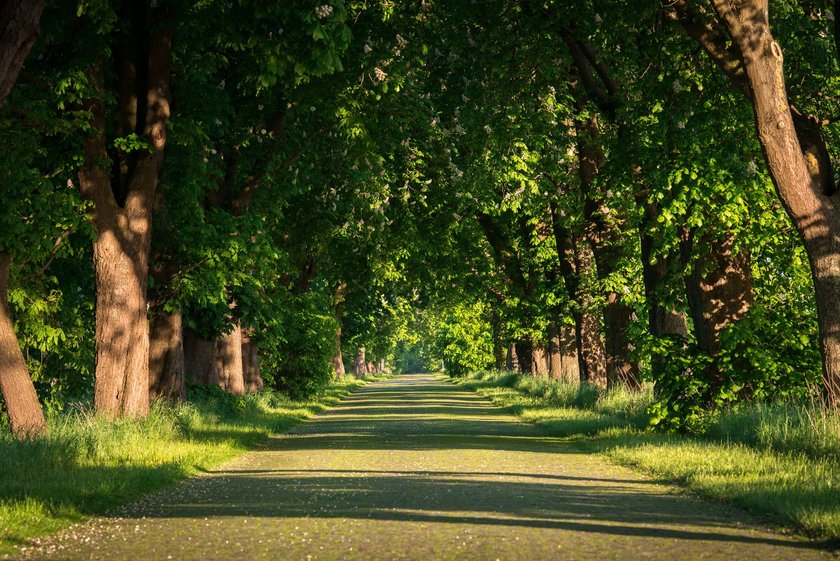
88,465
780,461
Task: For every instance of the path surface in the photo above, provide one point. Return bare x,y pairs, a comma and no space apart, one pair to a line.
414,468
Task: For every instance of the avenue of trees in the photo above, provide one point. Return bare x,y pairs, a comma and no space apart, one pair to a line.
251,192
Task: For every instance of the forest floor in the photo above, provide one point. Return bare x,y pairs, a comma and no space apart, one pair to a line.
416,468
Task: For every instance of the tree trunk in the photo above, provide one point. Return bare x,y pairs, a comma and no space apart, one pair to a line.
25,414
796,153
607,243
360,366
337,360
381,367
539,365
719,290
229,360
555,358
575,263
592,361
512,361
122,331
622,370
251,362
525,355
569,363
200,358
166,357
122,217
19,27
662,320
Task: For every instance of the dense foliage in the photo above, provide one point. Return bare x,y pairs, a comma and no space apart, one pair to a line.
570,189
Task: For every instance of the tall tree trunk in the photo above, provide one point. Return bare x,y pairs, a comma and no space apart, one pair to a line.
575,262
555,356
525,355
794,147
539,365
166,357
570,362
25,413
719,290
360,366
251,362
338,360
200,358
607,242
229,360
512,360
122,218
19,27
592,360
662,320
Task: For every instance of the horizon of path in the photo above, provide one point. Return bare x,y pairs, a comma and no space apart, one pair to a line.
414,468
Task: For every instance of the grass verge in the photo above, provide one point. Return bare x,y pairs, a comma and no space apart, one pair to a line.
780,461
88,465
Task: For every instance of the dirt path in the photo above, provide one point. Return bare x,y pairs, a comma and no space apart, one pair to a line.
414,468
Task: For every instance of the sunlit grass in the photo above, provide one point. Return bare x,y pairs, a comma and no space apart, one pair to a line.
87,464
781,460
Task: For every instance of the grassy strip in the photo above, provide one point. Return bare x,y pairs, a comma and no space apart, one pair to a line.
779,461
88,465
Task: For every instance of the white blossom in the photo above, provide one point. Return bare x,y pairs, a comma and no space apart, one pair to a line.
751,168
323,11
379,74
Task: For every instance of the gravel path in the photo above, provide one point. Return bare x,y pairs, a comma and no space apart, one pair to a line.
414,468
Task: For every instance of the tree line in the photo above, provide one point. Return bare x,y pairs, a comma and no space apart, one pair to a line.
240,193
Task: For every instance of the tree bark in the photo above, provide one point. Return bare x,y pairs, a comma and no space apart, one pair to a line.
719,290
512,360
525,355
360,366
25,414
539,365
19,28
592,361
555,357
166,357
570,365
251,362
229,361
564,363
338,360
122,218
200,358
